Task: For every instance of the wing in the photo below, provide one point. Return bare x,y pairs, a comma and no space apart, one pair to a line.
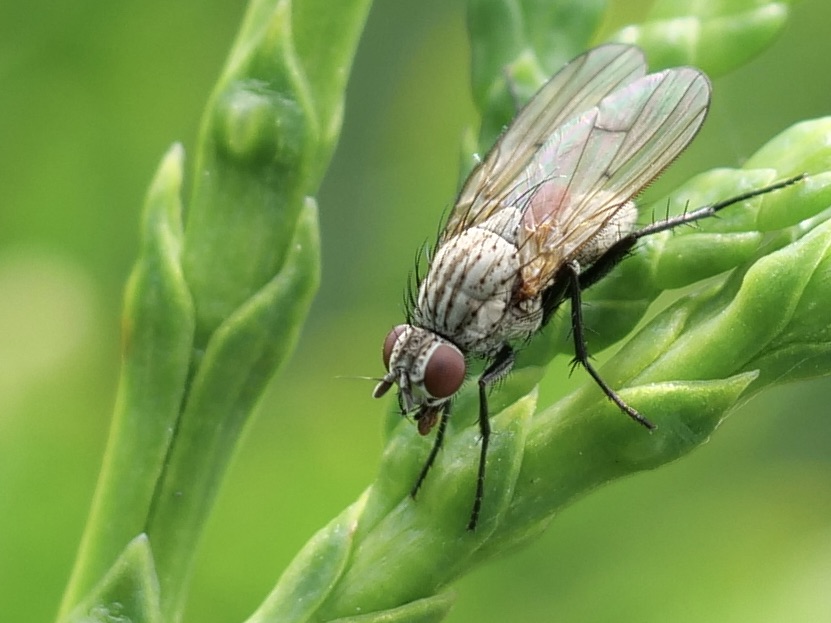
594,164
576,88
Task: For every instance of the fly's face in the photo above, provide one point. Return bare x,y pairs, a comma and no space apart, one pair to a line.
427,369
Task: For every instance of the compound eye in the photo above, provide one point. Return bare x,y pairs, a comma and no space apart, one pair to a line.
445,371
389,343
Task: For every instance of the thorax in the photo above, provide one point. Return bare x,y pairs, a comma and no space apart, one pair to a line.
469,293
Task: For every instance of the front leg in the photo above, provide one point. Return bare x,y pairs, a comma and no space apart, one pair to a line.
437,444
497,369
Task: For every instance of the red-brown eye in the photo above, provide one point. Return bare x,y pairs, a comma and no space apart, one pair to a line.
445,371
389,342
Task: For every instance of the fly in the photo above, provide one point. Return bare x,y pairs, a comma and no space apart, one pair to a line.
546,214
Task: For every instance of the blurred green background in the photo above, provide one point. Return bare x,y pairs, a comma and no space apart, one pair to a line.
92,95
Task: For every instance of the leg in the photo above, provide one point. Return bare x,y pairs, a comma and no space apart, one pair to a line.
445,412
499,367
581,355
618,251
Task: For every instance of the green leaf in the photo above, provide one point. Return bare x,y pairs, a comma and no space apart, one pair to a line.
522,42
266,137
214,310
428,536
158,326
241,357
313,573
427,610
714,35
129,591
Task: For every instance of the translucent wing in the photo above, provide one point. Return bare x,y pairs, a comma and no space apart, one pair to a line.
576,88
592,165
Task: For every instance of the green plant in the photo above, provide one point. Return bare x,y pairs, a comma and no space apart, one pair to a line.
212,312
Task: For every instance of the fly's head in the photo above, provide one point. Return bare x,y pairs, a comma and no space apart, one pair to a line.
427,369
